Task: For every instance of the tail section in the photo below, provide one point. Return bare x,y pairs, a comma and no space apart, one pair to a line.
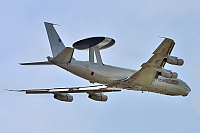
65,56
61,54
55,41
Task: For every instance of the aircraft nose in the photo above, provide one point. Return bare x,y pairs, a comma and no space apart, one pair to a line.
187,89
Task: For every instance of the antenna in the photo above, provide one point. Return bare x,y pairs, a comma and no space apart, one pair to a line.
94,44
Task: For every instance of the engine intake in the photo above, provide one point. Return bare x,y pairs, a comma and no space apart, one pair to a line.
173,75
98,97
63,97
174,61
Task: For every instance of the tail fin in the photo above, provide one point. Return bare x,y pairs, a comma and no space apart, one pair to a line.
63,57
55,41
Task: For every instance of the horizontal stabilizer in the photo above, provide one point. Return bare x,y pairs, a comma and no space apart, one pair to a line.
64,56
37,63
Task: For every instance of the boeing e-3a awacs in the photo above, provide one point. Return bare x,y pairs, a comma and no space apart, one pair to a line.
152,76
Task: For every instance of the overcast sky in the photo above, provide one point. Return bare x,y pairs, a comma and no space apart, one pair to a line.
135,25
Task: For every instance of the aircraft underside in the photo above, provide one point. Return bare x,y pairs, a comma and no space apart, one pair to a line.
152,77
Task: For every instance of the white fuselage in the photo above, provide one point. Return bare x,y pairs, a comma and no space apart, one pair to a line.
111,76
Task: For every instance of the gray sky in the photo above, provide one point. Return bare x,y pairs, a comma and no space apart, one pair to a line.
135,25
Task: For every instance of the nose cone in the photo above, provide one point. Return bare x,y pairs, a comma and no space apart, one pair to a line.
187,89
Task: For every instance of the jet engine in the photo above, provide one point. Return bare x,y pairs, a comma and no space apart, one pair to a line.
174,60
98,97
169,74
63,97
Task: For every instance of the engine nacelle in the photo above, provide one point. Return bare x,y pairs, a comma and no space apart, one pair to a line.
173,75
63,97
98,97
174,61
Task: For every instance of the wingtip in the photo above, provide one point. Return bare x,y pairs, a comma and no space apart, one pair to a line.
8,90
165,38
13,90
51,23
161,37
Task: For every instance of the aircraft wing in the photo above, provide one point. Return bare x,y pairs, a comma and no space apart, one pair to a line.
37,63
148,72
88,89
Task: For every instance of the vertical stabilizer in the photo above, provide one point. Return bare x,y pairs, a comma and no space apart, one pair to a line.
55,41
